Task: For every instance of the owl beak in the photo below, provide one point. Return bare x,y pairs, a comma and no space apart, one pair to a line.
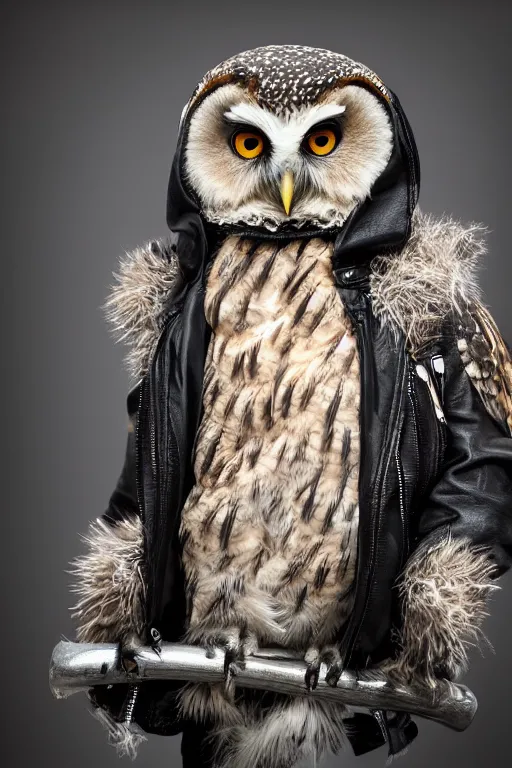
287,190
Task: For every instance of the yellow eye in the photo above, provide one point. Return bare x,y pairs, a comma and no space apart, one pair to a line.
247,144
322,142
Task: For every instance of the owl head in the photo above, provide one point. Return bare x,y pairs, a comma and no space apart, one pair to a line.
286,135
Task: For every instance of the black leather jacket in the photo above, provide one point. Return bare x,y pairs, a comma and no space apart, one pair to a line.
431,457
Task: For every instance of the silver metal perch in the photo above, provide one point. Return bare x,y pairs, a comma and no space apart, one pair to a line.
79,666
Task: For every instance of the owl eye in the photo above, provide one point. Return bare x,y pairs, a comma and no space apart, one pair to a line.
248,144
322,141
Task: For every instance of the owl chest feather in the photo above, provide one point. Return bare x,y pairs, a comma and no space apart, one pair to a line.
269,530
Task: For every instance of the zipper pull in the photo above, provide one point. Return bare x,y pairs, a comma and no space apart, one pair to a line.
437,365
156,642
425,376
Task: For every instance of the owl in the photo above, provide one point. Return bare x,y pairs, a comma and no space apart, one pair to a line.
299,396
269,531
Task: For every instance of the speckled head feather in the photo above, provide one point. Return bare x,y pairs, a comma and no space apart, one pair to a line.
284,77
283,91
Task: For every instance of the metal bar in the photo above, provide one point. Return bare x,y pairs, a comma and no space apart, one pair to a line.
78,666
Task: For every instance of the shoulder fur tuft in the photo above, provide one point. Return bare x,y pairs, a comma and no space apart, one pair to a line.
109,582
137,304
435,274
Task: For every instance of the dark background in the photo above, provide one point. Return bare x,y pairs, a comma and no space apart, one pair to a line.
91,95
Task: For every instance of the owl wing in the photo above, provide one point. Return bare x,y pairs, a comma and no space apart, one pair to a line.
487,360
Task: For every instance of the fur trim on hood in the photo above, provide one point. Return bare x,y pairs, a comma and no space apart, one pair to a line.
414,290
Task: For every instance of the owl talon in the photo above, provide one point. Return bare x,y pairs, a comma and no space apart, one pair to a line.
333,675
237,645
234,660
312,659
127,650
328,655
312,676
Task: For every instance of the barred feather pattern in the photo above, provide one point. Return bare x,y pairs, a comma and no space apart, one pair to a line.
137,303
109,582
294,730
445,589
269,531
487,361
434,276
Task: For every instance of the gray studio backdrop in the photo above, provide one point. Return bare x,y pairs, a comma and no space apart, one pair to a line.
91,97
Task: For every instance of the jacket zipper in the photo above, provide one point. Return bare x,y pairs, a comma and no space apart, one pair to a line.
174,453
133,690
152,437
352,632
401,502
412,399
129,704
138,478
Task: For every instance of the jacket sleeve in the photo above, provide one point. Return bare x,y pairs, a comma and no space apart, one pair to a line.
464,535
109,579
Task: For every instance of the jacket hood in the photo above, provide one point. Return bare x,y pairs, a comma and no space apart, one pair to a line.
281,78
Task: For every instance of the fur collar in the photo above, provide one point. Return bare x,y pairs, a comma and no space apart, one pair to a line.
413,291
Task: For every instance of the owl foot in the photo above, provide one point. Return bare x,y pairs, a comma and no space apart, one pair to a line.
328,655
237,643
127,650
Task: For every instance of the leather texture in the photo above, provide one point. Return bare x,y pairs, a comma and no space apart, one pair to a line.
474,490
382,223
